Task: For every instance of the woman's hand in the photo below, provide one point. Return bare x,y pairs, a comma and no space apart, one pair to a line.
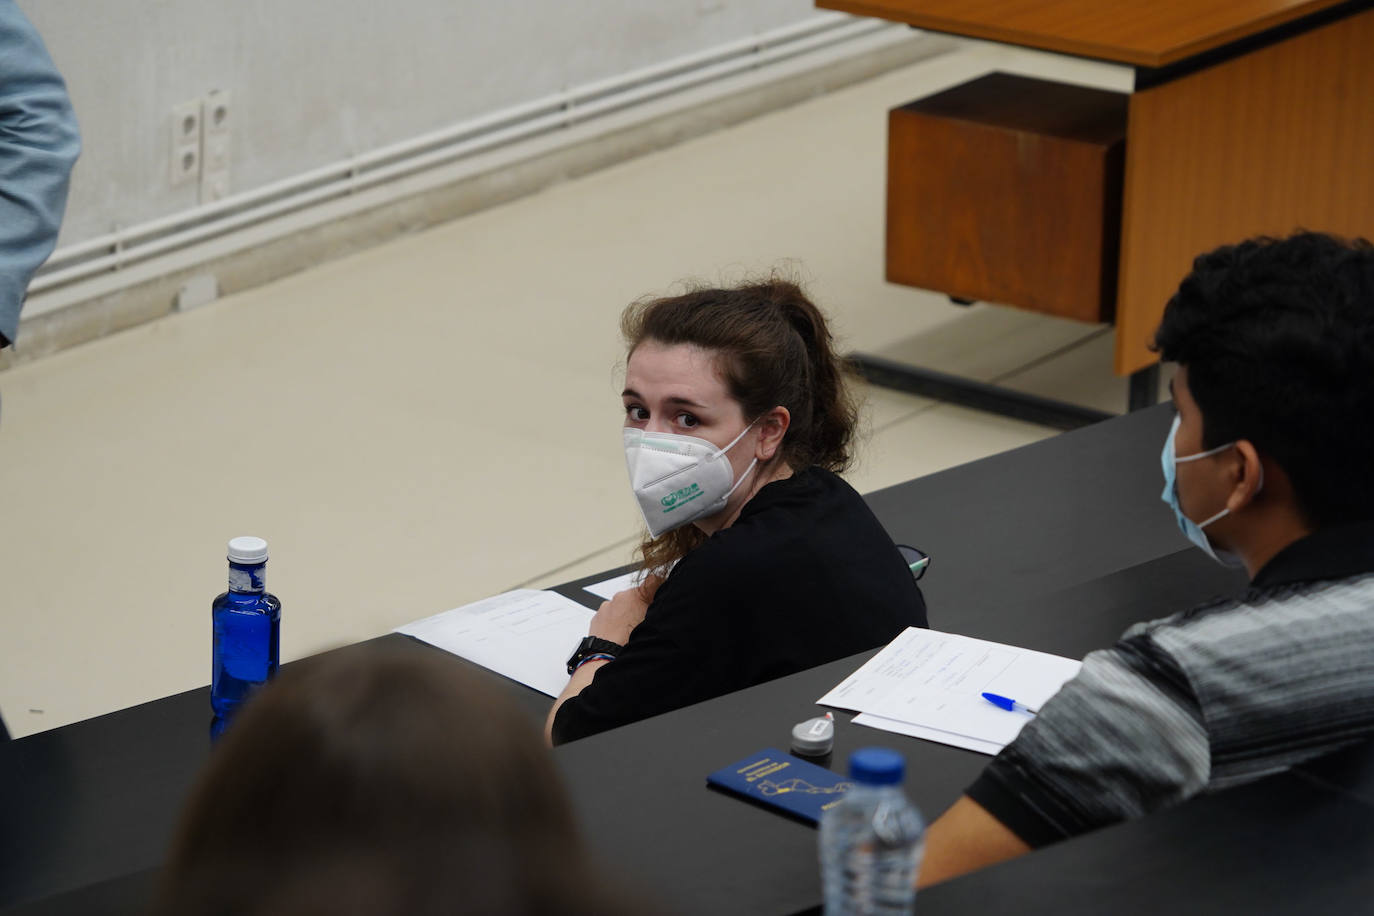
617,618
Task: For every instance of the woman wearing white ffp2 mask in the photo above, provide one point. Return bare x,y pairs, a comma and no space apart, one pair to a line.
736,418
678,479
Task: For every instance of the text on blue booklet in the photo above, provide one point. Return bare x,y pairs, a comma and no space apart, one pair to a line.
782,781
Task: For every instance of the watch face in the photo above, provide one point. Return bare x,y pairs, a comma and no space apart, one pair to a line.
577,655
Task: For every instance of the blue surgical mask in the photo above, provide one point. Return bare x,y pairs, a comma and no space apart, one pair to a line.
1193,530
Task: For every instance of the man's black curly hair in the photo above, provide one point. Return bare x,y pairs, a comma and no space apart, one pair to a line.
1277,336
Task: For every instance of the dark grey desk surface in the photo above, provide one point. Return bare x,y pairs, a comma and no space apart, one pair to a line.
1056,546
1294,843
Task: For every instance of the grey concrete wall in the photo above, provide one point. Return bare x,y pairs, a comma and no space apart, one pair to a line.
314,81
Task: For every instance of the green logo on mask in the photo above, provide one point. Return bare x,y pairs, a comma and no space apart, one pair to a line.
680,497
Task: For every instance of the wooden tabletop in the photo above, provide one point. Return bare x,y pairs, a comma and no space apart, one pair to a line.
1143,33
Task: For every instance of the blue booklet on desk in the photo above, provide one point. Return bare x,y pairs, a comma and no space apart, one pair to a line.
782,782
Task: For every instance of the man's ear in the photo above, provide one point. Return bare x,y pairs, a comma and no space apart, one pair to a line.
772,426
1247,476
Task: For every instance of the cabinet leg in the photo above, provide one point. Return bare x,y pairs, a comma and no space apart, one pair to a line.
1144,388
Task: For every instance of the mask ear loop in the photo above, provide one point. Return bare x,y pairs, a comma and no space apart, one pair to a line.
747,471
1227,510
1207,454
720,452
1195,457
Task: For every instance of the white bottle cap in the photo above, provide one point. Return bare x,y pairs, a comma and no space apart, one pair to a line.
247,550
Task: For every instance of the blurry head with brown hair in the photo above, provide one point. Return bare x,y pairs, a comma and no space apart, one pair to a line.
769,348
379,781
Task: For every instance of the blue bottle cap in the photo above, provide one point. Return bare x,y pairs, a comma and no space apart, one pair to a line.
876,766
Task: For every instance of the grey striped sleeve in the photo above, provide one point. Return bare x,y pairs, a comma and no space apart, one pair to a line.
1124,737
1282,678
1211,698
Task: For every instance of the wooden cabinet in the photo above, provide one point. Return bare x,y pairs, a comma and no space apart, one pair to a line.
1008,189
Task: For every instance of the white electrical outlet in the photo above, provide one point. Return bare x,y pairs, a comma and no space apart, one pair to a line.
197,291
185,152
213,188
216,116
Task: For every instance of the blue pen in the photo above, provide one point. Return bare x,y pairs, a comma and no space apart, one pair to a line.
1007,703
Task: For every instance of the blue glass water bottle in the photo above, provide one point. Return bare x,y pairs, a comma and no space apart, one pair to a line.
247,631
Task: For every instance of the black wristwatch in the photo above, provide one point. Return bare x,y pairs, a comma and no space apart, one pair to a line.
593,645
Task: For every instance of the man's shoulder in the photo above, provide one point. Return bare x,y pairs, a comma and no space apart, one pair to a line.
1268,663
1280,611
1257,643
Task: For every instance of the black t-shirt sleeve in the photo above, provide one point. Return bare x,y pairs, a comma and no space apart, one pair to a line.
805,575
680,654
653,674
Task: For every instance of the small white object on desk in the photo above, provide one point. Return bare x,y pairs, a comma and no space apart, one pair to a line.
525,635
814,737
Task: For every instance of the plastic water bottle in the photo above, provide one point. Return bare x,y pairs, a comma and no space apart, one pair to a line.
871,841
247,631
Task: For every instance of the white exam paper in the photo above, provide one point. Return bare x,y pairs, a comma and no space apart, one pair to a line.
606,589
929,734
936,680
526,635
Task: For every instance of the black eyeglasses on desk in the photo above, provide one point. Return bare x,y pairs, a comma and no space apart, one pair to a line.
918,561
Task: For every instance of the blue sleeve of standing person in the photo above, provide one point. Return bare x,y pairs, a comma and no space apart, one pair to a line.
39,144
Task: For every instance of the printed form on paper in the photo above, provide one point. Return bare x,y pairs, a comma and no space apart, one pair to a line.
934,682
526,635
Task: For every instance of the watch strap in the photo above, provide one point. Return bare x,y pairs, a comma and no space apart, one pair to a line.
593,645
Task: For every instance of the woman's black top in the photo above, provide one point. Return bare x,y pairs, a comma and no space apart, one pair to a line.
804,576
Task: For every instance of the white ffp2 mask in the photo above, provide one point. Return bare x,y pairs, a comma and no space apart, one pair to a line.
678,479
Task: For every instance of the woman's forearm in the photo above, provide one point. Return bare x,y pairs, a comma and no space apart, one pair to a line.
576,684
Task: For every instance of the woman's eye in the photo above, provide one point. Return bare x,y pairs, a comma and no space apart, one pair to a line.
637,413
687,420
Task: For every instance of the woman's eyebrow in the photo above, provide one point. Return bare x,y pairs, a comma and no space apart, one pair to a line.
672,399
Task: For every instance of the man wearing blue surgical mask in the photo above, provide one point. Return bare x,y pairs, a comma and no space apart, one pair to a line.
1269,465
1229,481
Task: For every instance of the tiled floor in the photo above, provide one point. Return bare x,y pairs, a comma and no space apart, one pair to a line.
435,420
